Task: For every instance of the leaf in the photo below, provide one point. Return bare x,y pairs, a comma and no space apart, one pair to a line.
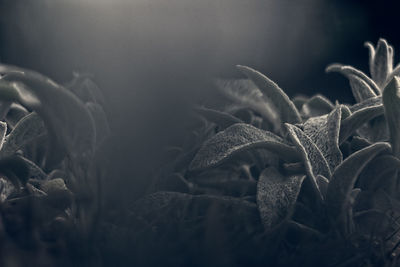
27,129
391,103
360,89
6,189
382,62
343,179
245,92
313,159
238,138
357,119
349,70
277,196
370,102
281,103
222,119
35,172
68,121
324,132
323,183
316,106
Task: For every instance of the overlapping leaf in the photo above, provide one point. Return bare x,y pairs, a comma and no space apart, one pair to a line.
316,106
343,179
324,132
352,73
391,103
68,120
235,139
380,61
277,196
313,159
281,103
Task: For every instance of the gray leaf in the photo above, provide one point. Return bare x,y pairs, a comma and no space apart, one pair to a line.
236,139
277,196
343,179
222,119
360,89
287,111
316,106
391,103
324,132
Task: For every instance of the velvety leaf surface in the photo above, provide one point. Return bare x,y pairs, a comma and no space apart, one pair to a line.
370,102
285,108
391,103
357,119
313,159
360,89
235,139
316,106
276,196
26,130
349,70
245,92
3,131
381,62
324,132
343,179
222,119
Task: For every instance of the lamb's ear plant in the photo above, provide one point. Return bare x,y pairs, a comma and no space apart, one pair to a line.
49,137
323,170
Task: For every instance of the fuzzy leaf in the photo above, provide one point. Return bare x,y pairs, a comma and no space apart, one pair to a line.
27,129
343,179
236,139
222,119
349,70
3,131
316,106
277,196
370,102
313,159
357,119
391,103
246,93
382,63
68,121
287,111
360,89
324,132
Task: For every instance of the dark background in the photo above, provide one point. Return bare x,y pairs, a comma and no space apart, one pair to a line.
154,58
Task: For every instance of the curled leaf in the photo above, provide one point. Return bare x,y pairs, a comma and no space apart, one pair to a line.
277,196
348,71
360,89
391,103
357,119
236,139
342,182
285,108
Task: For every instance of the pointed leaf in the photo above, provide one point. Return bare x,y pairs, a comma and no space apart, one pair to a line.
343,179
246,93
222,119
313,159
277,196
349,70
236,139
357,119
287,111
360,89
370,102
391,103
381,63
27,129
324,132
